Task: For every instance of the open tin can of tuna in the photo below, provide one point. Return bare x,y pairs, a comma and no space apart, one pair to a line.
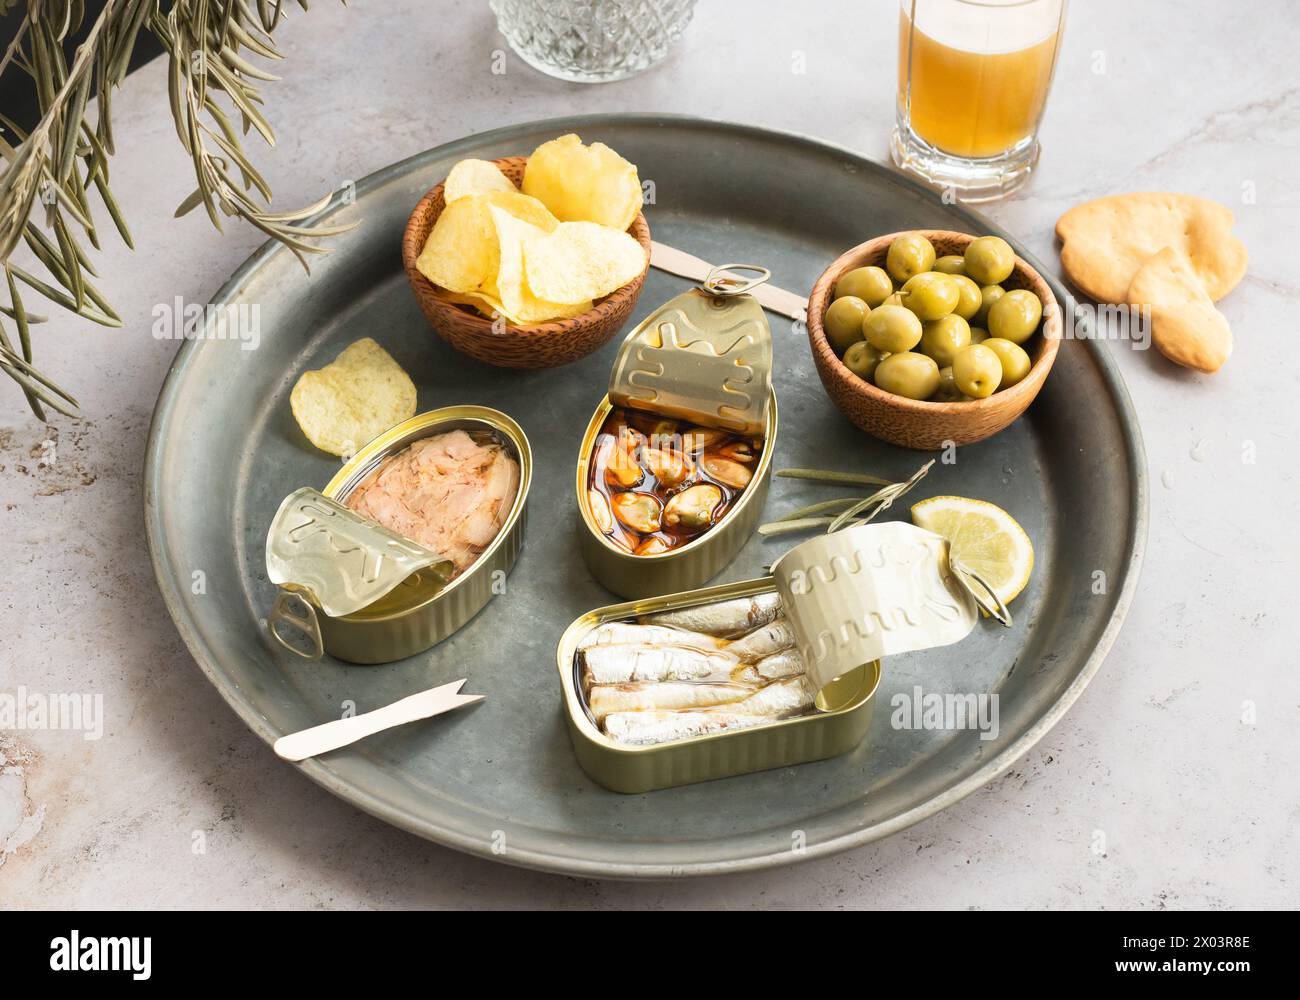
765,673
365,593
674,466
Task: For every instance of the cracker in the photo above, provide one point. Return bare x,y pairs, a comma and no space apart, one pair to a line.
1185,326
1107,240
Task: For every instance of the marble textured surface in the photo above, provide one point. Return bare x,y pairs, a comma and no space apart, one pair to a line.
1170,784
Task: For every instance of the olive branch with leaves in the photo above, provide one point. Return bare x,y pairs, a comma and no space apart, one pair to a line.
49,173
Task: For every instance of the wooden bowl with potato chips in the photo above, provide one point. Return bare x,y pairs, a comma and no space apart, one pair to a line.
510,338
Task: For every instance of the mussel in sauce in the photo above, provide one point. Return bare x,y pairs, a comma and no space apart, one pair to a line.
621,468
669,467
655,484
600,511
639,511
698,438
693,507
727,471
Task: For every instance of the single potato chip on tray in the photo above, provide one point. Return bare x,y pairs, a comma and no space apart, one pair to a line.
358,395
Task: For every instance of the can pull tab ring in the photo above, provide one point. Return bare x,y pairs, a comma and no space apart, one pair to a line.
304,623
985,596
722,281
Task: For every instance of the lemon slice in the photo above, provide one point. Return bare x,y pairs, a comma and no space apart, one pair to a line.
982,537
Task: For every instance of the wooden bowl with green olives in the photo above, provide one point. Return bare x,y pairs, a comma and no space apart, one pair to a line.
914,344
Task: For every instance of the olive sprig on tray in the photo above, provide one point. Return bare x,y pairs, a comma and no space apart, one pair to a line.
845,512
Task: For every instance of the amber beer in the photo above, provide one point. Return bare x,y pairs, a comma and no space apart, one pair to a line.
973,79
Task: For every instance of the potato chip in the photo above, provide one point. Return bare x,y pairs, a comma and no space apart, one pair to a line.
474,177
580,261
358,395
461,252
583,183
490,307
484,302
475,299
523,207
517,301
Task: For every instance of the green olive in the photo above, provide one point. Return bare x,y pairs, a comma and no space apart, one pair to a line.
892,329
843,322
912,375
894,300
977,371
870,284
951,264
1015,362
978,335
947,391
942,338
969,298
990,259
861,359
909,255
1015,316
988,295
931,295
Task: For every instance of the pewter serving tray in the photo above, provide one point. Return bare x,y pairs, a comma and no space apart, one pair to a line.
224,451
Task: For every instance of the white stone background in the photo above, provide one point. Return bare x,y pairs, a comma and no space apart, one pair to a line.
1198,808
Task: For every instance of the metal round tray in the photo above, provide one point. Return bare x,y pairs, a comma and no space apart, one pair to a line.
500,780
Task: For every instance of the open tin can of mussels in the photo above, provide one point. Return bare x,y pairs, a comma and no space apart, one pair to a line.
675,463
366,594
832,610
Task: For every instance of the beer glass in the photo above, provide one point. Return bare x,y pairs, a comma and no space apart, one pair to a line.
973,79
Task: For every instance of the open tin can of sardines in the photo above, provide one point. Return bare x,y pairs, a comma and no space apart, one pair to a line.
766,673
406,543
674,466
